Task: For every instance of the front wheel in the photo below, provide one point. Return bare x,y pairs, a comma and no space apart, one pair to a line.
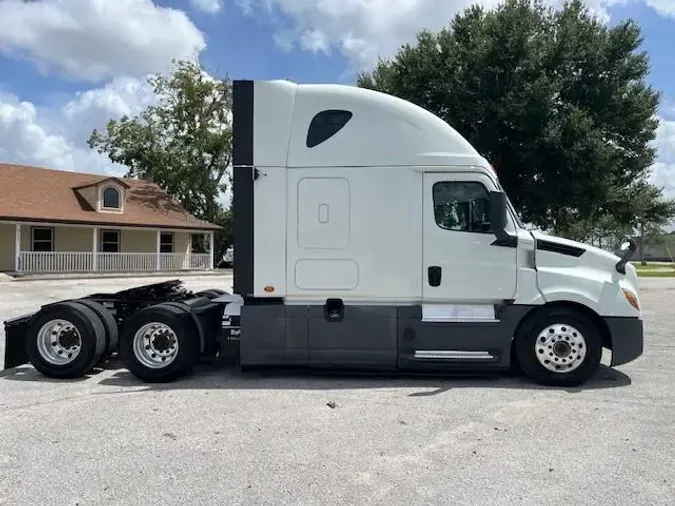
559,347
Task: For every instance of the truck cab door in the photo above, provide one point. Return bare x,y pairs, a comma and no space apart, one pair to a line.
466,275
462,261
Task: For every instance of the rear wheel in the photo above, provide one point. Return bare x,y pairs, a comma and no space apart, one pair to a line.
159,344
65,340
559,346
109,324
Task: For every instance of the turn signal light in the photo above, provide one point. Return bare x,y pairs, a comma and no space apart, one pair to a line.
631,298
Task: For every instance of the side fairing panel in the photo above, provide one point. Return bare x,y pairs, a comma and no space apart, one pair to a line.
269,232
527,290
354,233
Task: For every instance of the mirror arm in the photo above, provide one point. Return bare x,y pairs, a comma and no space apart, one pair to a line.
625,257
505,239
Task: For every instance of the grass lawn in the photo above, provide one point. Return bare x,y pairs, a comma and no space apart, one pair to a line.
647,273
655,270
653,265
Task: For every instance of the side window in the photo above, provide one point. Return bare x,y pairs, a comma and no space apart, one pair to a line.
110,241
111,198
325,125
42,239
462,206
166,242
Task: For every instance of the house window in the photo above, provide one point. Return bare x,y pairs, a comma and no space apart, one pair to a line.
198,243
42,239
325,125
166,242
110,241
461,206
111,198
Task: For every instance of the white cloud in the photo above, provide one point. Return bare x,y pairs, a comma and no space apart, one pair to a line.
664,7
363,30
663,172
93,108
56,137
208,6
97,39
284,40
25,140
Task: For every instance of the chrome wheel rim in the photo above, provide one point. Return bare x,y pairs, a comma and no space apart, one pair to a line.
59,342
560,348
155,345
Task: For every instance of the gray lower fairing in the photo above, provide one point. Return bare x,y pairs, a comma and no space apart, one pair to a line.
374,337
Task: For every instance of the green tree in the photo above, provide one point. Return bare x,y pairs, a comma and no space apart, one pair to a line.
555,100
640,210
652,212
182,142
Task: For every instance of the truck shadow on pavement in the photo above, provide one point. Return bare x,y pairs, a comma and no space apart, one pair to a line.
218,376
211,376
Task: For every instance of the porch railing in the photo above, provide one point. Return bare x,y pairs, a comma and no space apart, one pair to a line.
39,261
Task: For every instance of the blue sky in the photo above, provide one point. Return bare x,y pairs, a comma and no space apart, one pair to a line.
66,66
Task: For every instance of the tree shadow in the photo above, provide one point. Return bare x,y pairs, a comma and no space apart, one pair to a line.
143,194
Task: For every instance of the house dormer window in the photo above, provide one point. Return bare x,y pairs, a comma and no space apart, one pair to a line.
111,198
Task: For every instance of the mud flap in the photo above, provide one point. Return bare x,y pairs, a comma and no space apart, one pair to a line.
15,341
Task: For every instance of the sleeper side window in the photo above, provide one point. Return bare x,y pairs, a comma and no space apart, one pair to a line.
462,206
325,125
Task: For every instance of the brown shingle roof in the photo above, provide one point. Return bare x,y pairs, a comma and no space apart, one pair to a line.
94,182
47,195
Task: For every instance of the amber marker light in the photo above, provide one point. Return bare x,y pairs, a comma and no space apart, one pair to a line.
269,289
631,298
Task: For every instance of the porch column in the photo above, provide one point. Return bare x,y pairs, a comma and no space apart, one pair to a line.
17,247
159,256
94,249
211,250
187,263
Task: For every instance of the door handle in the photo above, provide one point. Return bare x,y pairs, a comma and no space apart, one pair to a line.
434,274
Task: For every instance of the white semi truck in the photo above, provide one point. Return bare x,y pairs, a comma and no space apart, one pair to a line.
370,235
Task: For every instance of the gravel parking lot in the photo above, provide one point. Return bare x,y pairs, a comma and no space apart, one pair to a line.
228,438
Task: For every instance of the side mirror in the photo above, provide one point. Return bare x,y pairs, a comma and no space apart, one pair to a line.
498,213
627,249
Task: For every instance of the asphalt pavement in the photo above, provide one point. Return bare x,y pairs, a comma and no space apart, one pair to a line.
224,437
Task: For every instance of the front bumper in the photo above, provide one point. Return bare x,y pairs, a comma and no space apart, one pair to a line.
627,339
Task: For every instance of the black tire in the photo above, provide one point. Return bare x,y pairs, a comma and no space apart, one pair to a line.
182,325
529,334
211,293
109,323
87,324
